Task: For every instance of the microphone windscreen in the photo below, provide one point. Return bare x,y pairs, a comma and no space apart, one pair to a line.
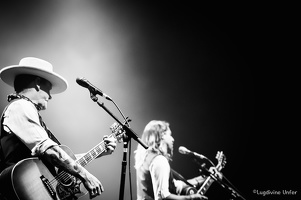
82,82
183,150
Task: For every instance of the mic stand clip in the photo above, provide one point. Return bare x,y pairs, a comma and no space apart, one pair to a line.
129,134
128,130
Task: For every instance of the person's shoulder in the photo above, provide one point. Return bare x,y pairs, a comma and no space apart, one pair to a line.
20,102
20,105
160,163
160,159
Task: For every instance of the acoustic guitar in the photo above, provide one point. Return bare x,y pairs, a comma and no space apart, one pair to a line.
32,179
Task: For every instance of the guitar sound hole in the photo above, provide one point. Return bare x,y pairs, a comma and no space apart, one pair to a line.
66,179
188,190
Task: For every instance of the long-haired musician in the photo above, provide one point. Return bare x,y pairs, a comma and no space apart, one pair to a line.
154,178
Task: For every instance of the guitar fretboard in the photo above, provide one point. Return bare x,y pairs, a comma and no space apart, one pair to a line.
207,183
210,179
93,153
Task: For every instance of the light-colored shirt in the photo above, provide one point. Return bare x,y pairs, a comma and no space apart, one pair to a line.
159,170
21,118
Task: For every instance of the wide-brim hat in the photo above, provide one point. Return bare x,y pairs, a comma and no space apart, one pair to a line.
37,67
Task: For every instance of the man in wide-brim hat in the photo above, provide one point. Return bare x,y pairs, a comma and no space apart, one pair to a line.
22,77
37,67
23,132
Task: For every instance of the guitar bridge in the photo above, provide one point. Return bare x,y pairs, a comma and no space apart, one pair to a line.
48,186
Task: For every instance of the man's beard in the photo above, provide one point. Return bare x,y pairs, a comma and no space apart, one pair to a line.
41,106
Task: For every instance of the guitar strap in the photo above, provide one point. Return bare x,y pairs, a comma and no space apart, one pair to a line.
50,134
180,177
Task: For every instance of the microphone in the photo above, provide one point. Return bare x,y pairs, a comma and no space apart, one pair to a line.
94,90
185,151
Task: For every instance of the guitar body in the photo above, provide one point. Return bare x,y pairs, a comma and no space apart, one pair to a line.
33,179
30,179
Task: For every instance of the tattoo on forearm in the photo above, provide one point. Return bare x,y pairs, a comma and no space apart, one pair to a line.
61,159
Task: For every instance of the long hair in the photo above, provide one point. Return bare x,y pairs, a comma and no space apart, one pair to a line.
152,137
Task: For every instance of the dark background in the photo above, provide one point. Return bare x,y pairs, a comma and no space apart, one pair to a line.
220,74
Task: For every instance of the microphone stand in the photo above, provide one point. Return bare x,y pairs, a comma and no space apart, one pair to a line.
129,134
230,189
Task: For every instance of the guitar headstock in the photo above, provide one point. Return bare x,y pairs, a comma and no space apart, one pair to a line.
118,131
221,158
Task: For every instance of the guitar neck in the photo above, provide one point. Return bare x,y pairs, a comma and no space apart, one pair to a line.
93,153
210,179
207,183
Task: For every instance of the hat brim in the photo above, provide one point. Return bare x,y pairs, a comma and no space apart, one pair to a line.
8,74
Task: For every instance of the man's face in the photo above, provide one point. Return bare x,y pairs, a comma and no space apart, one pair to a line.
44,94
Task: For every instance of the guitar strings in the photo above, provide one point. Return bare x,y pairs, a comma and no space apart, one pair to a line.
64,176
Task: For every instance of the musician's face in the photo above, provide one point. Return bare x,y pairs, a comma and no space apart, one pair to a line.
169,140
44,94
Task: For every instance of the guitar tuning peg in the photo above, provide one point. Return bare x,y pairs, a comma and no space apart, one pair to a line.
113,125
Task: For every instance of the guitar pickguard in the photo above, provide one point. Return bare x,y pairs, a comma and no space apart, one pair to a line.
69,191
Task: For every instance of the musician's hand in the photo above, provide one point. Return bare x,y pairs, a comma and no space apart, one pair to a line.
93,185
216,172
111,144
197,197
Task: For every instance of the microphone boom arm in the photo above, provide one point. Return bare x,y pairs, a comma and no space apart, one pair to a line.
127,129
